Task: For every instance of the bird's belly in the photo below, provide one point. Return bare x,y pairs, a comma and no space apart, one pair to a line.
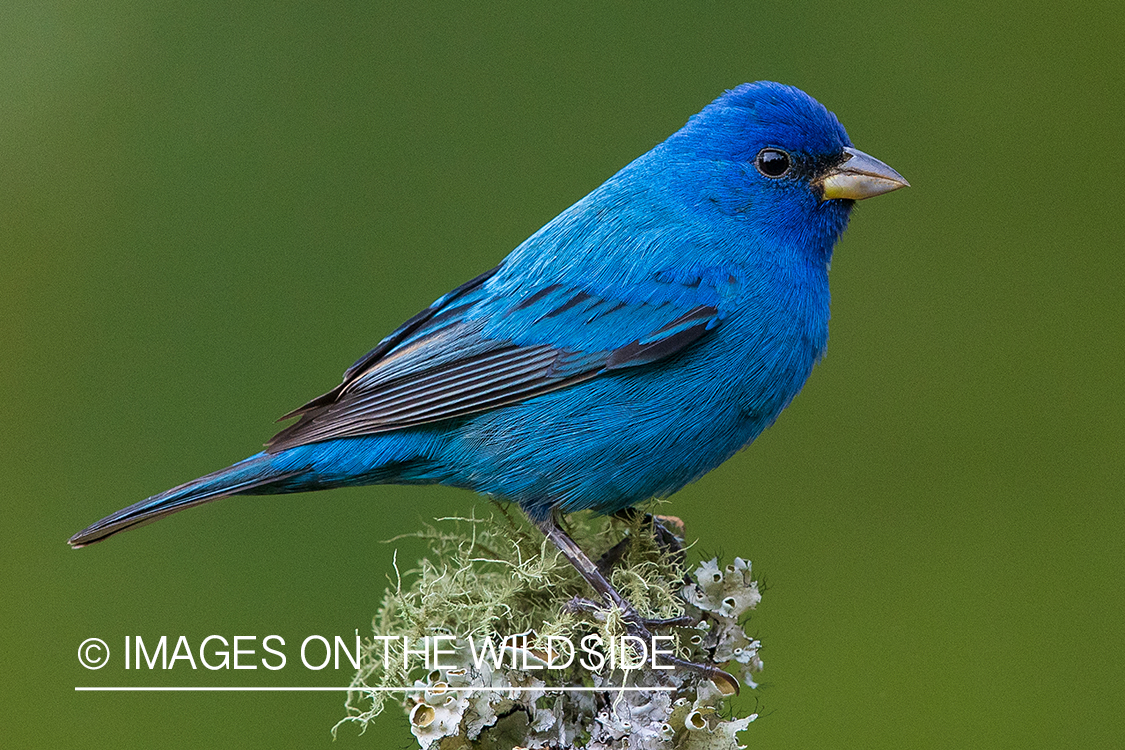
624,438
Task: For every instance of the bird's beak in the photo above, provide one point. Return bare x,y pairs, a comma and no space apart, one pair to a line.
859,176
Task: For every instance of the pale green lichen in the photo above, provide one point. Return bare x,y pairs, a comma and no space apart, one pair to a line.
498,578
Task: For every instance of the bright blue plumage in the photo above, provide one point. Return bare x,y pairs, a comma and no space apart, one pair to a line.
632,344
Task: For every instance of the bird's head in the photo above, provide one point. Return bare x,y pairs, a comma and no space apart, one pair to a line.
773,155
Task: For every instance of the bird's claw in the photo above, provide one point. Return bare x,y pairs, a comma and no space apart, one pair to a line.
724,681
590,607
638,626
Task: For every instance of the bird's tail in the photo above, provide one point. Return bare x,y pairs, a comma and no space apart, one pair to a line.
259,474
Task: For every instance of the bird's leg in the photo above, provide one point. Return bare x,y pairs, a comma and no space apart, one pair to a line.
582,563
612,556
579,604
637,625
666,539
595,578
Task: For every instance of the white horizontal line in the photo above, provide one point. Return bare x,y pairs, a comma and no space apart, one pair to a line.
299,689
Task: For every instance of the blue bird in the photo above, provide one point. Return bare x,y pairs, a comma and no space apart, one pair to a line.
638,340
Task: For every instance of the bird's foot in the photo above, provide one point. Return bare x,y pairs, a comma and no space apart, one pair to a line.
635,624
590,607
724,681
639,627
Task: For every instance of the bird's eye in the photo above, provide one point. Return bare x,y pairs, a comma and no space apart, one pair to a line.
772,162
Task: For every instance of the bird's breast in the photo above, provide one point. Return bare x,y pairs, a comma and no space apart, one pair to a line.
772,337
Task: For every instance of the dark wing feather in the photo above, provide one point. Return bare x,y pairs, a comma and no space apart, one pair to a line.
383,347
447,362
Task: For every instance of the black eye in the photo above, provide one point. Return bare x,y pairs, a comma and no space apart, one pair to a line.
772,162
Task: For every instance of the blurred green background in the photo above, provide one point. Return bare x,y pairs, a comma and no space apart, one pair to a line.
209,210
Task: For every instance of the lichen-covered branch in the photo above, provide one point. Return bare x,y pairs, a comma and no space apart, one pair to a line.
497,647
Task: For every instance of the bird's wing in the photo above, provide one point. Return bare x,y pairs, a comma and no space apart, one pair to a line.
473,351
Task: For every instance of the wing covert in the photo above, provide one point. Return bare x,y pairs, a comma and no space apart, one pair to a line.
474,351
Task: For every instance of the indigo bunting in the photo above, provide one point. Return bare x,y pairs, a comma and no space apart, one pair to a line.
637,341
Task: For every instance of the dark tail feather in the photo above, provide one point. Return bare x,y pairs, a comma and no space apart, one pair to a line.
244,476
